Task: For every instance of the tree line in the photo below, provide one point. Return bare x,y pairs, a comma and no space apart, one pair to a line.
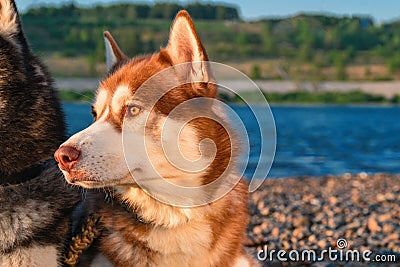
160,10
322,40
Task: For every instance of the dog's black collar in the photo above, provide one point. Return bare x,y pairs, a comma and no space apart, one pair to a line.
21,176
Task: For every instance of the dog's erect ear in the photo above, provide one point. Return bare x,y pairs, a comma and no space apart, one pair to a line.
114,54
184,45
9,21
10,24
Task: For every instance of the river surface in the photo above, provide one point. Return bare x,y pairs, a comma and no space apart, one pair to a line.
311,140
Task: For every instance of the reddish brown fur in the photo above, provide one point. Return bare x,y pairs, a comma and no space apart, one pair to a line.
213,233
124,241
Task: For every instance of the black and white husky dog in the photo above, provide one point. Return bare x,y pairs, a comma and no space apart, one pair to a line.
35,202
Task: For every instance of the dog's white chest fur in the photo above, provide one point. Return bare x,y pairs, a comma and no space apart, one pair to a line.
32,257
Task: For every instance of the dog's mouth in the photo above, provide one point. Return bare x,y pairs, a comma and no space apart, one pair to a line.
83,179
85,182
75,177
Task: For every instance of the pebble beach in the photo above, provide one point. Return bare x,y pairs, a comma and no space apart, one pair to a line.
307,213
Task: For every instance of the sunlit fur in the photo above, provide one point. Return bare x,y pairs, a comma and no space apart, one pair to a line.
207,235
8,19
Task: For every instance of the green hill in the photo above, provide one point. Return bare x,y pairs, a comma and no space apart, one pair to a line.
315,42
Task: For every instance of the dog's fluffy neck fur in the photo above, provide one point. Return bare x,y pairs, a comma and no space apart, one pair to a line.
136,200
173,235
163,215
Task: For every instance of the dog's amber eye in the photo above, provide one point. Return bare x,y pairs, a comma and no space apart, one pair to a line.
133,111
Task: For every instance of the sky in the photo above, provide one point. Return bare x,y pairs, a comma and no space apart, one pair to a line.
380,10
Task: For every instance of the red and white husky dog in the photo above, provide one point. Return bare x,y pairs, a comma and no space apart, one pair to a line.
147,231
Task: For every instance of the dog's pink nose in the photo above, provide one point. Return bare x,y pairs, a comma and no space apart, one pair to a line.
67,157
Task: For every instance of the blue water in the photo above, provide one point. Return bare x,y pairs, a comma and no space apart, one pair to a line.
312,140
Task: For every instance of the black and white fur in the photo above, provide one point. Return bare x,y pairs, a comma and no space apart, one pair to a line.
35,201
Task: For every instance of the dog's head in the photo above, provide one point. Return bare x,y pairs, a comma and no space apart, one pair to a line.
135,134
31,120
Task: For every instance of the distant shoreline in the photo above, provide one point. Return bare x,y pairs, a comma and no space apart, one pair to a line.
388,89
300,97
385,88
